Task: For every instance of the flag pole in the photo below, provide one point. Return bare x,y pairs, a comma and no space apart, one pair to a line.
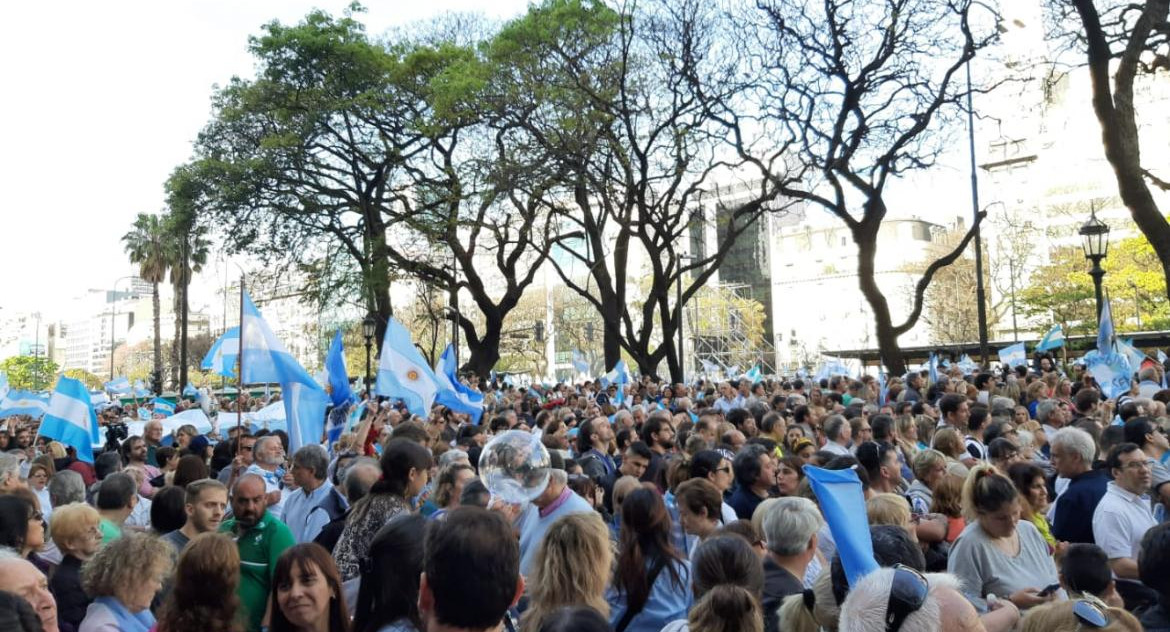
240,375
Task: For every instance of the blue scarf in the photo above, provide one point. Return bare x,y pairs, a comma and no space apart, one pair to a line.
127,621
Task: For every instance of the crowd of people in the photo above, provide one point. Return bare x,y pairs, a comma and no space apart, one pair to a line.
995,500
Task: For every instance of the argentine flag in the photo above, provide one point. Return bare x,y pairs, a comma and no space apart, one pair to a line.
579,362
933,368
753,374
338,379
268,361
18,402
221,358
118,385
454,394
619,376
1054,339
967,365
1014,355
70,418
163,407
403,373
190,391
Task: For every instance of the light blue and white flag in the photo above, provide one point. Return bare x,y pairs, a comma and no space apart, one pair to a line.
932,365
1111,370
163,407
841,500
883,388
619,376
580,363
140,389
967,365
21,402
339,391
1014,355
1162,362
268,361
221,358
454,394
753,374
1054,339
70,418
710,368
190,391
1132,353
1105,332
403,373
3,385
118,385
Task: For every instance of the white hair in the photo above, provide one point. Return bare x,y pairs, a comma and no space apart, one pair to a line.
789,525
864,609
1075,440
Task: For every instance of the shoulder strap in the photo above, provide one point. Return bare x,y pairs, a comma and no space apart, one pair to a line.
630,613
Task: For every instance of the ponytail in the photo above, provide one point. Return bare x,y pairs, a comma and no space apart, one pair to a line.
727,608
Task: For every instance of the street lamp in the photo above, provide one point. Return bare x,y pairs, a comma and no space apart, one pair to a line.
113,319
1095,241
369,328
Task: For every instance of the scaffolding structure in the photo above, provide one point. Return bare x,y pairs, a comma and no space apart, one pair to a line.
720,330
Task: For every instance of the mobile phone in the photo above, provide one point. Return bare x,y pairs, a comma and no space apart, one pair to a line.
1048,590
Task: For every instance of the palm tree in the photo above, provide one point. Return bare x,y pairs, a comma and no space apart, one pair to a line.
146,244
188,254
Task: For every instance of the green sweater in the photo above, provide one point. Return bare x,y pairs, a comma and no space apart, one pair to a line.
259,549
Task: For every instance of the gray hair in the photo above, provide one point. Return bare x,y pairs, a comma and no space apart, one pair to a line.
66,487
834,425
260,446
313,457
452,456
1002,406
790,524
864,609
356,487
1025,439
622,414
1075,440
1045,408
558,476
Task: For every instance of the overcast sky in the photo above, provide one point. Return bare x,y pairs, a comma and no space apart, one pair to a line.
101,102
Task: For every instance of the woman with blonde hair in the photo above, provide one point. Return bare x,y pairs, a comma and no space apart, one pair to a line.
203,596
950,443
123,578
571,568
76,532
1083,614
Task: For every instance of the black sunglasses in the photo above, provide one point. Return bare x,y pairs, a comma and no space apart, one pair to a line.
1090,614
907,594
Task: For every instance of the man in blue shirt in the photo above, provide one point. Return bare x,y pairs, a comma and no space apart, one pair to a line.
1073,450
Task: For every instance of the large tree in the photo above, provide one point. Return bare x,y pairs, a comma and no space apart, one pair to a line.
1128,41
860,94
147,246
625,103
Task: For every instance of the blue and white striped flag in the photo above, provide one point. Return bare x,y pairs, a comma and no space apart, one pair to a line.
268,361
140,389
403,373
1162,362
580,363
619,375
221,358
190,391
967,365
163,407
70,418
1105,332
710,368
1054,339
933,368
753,374
118,385
1014,355
20,402
454,394
339,391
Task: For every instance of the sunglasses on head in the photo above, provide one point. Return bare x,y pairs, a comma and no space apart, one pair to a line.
1090,614
907,594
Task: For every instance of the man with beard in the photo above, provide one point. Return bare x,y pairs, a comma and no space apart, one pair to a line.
205,505
658,433
261,539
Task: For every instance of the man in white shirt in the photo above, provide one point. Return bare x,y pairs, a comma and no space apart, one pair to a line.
839,434
1122,518
267,462
310,467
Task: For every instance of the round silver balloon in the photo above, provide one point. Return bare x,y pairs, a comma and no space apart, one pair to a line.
515,466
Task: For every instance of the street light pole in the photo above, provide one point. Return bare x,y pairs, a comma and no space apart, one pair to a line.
1137,306
1095,241
369,328
980,291
114,319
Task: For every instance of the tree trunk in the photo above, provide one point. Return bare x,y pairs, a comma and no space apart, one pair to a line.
156,373
178,308
182,383
485,353
887,338
1115,113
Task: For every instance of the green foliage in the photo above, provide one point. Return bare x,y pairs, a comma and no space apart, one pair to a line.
90,380
1062,291
29,372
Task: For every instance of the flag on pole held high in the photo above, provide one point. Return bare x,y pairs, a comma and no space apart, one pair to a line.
1054,339
1014,355
403,373
22,402
619,376
841,501
753,374
580,363
933,367
221,358
1108,364
118,385
268,361
454,394
338,380
70,418
163,407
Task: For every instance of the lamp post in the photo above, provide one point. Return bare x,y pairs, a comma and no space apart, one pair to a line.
1137,305
1095,241
369,328
114,318
682,367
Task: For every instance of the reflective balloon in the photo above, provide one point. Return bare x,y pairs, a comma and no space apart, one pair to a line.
515,466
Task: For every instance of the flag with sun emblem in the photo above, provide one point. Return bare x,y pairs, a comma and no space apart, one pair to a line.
403,373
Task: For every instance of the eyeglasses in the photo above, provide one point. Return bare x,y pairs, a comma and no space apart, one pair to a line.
1090,614
907,594
1139,465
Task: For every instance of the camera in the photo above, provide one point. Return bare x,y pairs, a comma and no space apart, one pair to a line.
116,432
